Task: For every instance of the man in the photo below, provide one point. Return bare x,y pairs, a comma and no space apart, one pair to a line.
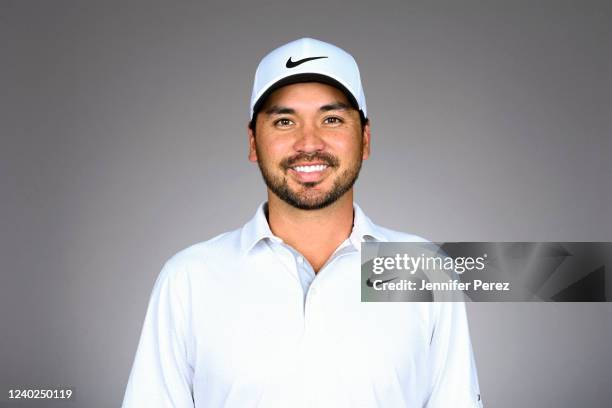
270,315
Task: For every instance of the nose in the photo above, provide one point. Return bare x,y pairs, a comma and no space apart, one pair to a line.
309,140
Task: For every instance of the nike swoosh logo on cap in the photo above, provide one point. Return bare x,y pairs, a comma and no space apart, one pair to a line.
370,282
293,64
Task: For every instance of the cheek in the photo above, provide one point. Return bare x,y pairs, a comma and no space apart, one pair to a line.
273,150
348,147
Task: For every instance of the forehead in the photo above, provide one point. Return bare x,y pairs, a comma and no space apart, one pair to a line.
304,95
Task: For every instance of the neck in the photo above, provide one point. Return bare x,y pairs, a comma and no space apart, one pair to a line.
314,233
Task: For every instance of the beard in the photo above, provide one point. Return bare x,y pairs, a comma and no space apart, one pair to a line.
309,198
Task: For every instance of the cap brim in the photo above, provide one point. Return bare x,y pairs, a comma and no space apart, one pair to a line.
303,77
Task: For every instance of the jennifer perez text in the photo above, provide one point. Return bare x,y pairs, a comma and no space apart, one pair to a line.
450,285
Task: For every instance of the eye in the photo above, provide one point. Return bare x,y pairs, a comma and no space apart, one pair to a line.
333,120
283,122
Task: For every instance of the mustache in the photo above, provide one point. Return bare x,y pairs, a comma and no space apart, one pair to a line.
326,158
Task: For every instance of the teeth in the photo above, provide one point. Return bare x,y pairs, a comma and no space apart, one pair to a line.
310,169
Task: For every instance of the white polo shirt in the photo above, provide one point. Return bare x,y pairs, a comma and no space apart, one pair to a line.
242,321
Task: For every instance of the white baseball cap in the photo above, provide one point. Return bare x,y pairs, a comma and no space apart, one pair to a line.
308,60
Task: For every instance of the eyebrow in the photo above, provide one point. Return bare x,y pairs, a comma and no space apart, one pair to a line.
279,110
282,110
335,106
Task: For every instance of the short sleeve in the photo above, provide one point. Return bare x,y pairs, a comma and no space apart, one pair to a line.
162,373
453,377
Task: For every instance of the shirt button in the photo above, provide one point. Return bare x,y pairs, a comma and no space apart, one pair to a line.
300,260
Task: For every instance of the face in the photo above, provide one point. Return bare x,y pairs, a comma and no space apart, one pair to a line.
309,144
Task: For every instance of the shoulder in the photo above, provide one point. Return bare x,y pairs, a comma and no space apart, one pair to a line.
399,236
222,248
366,226
184,270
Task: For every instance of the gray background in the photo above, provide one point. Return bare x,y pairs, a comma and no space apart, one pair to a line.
123,140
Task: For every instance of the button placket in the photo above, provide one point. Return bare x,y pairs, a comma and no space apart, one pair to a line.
310,303
312,317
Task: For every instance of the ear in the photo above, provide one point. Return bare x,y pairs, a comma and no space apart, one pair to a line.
366,140
252,149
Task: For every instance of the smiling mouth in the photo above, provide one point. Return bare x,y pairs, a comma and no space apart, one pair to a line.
310,168
309,175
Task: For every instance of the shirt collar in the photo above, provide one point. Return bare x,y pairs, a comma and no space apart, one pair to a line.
364,229
258,229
